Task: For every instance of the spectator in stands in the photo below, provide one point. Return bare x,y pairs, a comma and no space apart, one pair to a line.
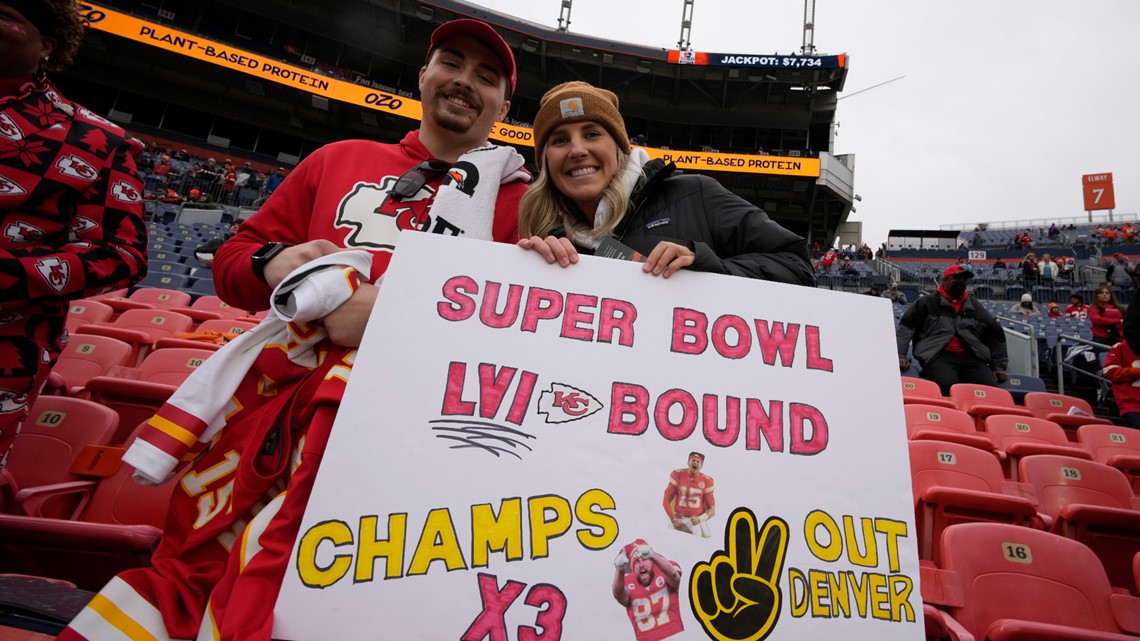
895,295
873,291
1029,271
465,84
1119,368
1054,311
275,180
828,260
955,339
1110,234
162,169
72,203
1068,267
999,264
205,252
848,268
1047,269
182,155
1127,233
1053,231
1077,307
591,175
1024,308
1119,271
1026,239
1106,316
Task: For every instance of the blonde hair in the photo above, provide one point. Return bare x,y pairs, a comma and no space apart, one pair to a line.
543,209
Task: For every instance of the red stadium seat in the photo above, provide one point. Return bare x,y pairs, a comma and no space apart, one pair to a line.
56,430
141,328
1016,437
1115,446
981,401
160,298
85,311
138,394
955,483
118,530
920,390
208,307
84,358
229,326
1009,583
1056,408
931,422
1091,503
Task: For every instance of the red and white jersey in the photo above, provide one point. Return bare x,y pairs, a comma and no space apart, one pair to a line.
654,610
692,494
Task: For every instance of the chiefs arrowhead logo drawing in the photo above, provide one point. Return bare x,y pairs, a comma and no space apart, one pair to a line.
11,402
76,167
21,233
563,403
125,192
9,129
10,188
55,272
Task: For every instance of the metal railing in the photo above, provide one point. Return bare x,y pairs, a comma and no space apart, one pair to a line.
1024,350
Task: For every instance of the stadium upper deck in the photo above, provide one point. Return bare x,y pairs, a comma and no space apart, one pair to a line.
297,75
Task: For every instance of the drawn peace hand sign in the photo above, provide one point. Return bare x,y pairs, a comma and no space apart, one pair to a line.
736,595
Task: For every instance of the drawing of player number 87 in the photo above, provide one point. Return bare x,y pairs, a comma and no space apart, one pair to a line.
736,594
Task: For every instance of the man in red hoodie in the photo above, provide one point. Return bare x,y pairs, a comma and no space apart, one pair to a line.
955,339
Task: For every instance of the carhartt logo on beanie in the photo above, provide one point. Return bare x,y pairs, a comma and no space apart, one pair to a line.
577,102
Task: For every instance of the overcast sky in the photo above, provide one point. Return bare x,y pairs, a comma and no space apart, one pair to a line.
1004,106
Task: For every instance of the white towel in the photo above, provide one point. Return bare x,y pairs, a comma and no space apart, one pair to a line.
471,198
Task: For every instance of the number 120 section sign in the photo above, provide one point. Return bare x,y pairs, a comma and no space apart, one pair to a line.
528,453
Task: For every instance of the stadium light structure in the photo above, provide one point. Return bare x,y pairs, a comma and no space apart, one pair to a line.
564,15
686,25
808,48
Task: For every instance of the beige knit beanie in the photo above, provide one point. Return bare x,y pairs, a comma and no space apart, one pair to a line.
575,102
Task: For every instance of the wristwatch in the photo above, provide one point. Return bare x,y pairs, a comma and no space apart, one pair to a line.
263,255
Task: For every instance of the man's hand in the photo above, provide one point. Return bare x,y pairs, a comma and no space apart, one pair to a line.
736,595
667,259
293,257
904,362
346,323
1000,375
553,249
643,550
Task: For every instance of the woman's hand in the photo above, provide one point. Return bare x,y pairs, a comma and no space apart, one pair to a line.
554,250
667,258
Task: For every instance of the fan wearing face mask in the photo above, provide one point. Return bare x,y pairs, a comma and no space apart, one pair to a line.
955,339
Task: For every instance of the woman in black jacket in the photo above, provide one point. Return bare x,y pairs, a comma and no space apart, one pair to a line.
593,185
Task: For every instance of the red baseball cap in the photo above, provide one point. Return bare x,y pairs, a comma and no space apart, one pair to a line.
484,33
956,269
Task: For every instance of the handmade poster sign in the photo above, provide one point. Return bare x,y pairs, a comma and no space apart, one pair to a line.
528,452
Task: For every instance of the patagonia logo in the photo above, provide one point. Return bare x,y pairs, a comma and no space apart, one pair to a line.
657,223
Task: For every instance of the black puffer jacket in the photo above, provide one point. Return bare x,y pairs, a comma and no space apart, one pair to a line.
931,322
728,234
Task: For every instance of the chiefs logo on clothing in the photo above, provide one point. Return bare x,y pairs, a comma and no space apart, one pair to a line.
81,224
76,167
9,129
56,272
10,188
22,233
12,402
376,219
124,192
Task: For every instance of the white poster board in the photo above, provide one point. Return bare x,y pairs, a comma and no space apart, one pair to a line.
510,428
